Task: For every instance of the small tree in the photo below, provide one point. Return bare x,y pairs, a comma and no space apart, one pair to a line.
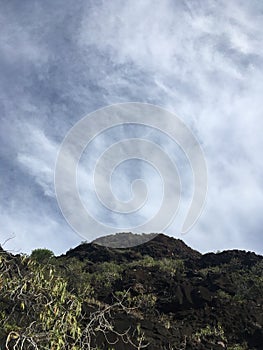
42,255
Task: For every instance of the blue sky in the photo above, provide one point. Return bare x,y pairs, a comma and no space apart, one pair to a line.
61,60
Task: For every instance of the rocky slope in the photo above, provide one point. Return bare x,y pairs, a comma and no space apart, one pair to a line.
162,293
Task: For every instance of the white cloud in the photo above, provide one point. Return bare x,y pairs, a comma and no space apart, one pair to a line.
202,60
205,60
34,229
38,158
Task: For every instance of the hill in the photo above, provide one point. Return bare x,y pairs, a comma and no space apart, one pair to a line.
124,239
158,295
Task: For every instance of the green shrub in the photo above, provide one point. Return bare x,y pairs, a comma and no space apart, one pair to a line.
38,311
210,332
171,266
42,255
106,274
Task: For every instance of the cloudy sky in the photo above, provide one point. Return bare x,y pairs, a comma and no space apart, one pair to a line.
61,60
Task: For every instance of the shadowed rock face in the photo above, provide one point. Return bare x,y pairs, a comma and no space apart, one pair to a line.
208,290
161,246
185,300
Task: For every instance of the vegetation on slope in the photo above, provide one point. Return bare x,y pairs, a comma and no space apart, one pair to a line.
160,295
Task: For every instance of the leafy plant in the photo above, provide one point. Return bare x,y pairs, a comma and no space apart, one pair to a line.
210,332
42,255
38,311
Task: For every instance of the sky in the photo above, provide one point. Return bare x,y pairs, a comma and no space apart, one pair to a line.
62,60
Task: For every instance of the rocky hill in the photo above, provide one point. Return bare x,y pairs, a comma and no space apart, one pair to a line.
158,295
124,239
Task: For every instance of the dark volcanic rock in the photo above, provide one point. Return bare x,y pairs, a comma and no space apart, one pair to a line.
183,299
244,258
164,246
160,246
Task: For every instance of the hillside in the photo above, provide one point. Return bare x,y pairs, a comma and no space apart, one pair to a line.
124,239
158,295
